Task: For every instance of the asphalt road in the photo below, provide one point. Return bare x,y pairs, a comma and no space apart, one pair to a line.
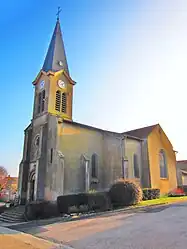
158,228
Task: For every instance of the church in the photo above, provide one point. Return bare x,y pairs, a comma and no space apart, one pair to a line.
61,156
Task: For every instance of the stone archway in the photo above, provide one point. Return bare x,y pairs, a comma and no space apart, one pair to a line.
32,185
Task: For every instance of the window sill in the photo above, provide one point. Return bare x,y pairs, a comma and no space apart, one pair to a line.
164,178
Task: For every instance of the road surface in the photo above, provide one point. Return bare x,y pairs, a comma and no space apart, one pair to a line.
158,228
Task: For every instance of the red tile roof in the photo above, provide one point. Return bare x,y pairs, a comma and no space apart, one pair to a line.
182,161
4,182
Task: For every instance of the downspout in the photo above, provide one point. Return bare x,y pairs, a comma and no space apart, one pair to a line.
123,155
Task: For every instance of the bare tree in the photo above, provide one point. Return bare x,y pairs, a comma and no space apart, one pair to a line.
3,172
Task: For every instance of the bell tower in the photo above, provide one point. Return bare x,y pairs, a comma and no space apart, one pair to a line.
52,104
53,85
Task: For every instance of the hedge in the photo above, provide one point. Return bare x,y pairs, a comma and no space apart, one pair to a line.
41,210
93,201
151,193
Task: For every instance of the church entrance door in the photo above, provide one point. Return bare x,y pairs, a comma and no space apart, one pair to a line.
32,183
32,186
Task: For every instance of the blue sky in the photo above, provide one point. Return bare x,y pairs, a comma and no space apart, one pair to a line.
129,59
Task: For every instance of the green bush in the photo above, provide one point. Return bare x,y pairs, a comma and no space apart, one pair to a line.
94,202
151,193
99,201
41,210
125,193
64,202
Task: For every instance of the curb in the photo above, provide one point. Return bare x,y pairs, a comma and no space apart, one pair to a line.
86,216
26,239
131,209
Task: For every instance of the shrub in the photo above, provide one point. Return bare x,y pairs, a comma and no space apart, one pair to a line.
125,193
151,193
93,201
41,210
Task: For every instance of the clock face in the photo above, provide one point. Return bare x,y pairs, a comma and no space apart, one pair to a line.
42,84
61,84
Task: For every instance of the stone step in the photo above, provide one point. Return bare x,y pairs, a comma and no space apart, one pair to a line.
13,212
16,216
13,215
10,220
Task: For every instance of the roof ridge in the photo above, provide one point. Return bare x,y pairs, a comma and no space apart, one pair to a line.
143,127
142,132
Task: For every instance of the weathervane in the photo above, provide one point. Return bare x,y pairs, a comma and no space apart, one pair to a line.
58,13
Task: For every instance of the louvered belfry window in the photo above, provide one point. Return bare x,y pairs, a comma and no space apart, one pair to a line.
41,102
58,101
64,100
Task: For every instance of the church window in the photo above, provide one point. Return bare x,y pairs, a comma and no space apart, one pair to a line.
163,164
94,166
136,166
64,100
37,140
125,169
39,102
43,100
58,100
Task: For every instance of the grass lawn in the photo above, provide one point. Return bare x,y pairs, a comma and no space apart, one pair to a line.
163,200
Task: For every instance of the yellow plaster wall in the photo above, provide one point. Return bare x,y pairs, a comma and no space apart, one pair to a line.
52,94
74,141
157,141
131,147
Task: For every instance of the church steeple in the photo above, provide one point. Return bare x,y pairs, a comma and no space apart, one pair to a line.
53,84
56,57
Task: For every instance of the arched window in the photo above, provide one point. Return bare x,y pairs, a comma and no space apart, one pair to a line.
136,166
64,100
43,100
58,100
163,164
37,141
94,168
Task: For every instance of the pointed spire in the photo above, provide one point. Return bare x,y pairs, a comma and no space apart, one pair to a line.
55,59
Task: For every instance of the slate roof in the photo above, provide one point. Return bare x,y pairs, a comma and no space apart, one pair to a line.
141,132
56,57
8,180
98,129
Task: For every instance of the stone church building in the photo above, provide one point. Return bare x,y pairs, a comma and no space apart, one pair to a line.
61,156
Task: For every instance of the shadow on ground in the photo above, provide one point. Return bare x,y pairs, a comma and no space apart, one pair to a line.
37,227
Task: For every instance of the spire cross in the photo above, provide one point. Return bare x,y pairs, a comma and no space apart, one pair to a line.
58,12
